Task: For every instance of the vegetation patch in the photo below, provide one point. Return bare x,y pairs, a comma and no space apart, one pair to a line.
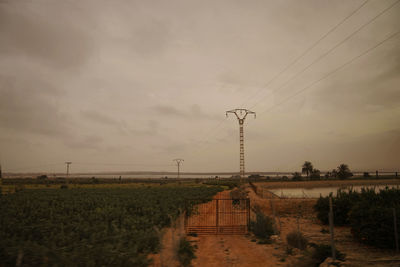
185,252
90,227
262,227
296,239
370,214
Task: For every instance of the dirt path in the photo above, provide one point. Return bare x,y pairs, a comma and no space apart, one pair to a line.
237,250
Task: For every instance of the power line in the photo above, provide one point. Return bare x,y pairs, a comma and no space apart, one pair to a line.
330,50
307,51
319,58
335,70
122,164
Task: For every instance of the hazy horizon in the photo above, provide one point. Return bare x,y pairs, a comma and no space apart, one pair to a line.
131,85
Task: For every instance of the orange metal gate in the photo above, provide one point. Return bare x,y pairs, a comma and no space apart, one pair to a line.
219,216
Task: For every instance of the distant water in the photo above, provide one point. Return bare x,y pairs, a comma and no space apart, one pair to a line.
316,192
146,176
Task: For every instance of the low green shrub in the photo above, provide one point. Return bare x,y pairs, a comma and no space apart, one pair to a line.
262,227
369,213
342,204
296,239
373,224
185,252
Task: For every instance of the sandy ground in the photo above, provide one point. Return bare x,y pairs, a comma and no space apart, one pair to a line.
220,251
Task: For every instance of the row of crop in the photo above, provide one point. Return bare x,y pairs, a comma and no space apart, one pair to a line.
90,227
370,214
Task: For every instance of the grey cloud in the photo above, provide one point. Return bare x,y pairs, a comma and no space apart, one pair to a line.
54,40
85,142
151,39
99,117
28,106
169,111
370,83
195,111
151,129
140,79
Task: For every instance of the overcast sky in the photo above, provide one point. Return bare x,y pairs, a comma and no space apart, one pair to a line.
131,85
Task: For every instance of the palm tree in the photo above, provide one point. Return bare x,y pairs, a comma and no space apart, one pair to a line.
307,168
343,171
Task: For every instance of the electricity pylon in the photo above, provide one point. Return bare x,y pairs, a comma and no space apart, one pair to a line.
241,115
178,163
68,163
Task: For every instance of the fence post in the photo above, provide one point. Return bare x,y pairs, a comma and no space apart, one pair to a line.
248,213
273,214
331,229
217,215
395,230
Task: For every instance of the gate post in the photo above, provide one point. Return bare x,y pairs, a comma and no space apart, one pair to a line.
217,216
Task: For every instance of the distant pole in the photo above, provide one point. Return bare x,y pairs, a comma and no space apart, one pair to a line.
331,229
241,115
68,163
178,164
376,172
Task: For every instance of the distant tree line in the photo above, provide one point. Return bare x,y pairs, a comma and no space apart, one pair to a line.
341,172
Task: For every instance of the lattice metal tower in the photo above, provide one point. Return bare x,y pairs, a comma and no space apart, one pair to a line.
68,163
178,163
241,115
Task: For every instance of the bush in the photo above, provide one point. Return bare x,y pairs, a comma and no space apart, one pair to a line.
263,227
185,252
321,252
373,224
238,193
342,204
315,174
369,213
297,240
297,176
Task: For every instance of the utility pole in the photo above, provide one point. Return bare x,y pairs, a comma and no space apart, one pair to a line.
178,163
68,163
241,115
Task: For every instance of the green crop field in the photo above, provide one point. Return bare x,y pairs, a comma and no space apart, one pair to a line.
90,227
